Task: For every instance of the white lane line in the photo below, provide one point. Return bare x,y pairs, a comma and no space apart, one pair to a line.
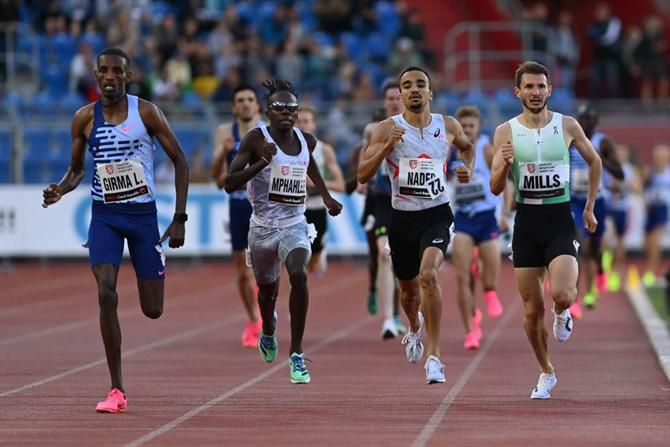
172,302
341,282
166,341
441,410
249,383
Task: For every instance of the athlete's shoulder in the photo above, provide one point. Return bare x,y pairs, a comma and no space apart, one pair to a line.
84,112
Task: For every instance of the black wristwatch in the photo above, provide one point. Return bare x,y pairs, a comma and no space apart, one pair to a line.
180,217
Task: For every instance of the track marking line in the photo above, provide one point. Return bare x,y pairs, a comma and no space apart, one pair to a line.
249,383
441,410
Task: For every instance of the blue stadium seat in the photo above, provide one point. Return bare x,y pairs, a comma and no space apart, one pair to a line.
388,20
36,140
353,45
71,102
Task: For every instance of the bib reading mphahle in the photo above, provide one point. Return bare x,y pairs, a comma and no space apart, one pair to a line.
421,177
288,184
542,180
122,181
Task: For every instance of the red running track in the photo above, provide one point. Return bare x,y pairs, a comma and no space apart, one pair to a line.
190,383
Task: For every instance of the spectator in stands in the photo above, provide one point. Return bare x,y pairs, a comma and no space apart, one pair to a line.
605,33
537,31
164,89
82,68
564,51
405,55
178,67
289,64
334,16
412,27
651,52
631,61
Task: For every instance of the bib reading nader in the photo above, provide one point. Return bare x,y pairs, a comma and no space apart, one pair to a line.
421,177
122,180
288,184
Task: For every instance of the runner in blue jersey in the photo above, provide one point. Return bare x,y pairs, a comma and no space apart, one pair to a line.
275,161
590,258
619,192
476,225
246,111
118,131
656,192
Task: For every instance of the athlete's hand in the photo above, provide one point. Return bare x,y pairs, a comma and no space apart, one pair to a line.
463,174
334,207
51,195
175,232
268,151
507,151
394,136
362,188
504,224
590,221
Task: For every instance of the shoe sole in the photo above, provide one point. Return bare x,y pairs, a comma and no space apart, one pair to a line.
433,381
120,410
387,335
301,382
540,397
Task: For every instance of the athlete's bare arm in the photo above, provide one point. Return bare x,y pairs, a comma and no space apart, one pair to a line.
223,144
336,178
82,124
466,151
255,154
334,207
157,126
610,160
384,137
503,157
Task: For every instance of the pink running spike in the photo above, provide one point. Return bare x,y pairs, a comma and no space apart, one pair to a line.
116,402
493,305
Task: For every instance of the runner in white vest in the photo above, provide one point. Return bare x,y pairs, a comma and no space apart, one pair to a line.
534,146
414,147
316,213
276,161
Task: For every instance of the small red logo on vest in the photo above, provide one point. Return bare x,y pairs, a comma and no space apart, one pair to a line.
284,170
109,169
412,164
531,168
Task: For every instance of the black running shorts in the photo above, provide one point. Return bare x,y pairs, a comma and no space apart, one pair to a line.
411,232
318,217
541,233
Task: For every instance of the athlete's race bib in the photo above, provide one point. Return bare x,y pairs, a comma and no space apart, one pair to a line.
543,180
288,184
579,182
122,181
421,177
465,193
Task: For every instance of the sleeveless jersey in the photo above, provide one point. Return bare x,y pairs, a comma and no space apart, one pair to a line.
541,167
475,196
579,170
417,165
277,193
123,157
237,138
657,188
314,200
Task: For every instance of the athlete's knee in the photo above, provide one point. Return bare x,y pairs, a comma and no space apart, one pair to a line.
298,278
533,311
108,299
428,277
564,295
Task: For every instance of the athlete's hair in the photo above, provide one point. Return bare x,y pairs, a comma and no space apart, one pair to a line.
468,110
389,84
244,88
414,68
113,52
308,108
277,85
530,67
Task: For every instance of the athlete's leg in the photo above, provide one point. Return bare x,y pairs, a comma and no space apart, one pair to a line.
563,276
245,284
372,260
530,280
431,296
296,266
652,246
410,299
106,276
385,278
462,258
489,253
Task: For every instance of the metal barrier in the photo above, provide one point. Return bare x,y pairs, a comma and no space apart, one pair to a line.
476,54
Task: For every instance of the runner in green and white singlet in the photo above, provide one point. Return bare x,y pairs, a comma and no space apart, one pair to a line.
534,146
